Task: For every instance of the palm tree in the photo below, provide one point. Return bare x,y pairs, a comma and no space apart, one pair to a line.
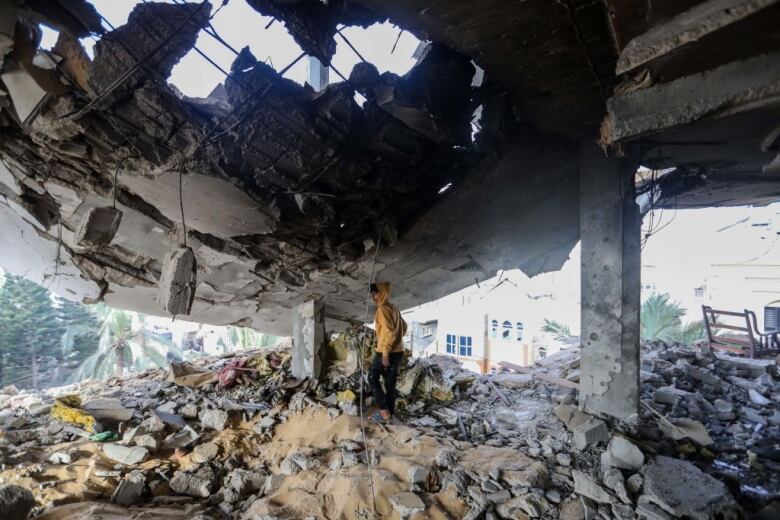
124,346
661,319
560,331
689,333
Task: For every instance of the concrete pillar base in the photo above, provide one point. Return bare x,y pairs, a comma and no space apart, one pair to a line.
610,229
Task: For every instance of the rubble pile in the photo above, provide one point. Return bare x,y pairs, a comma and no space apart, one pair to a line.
238,437
716,407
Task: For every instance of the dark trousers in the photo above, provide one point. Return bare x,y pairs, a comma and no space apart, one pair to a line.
385,397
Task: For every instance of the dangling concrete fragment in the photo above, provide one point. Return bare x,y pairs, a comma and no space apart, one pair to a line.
98,227
176,289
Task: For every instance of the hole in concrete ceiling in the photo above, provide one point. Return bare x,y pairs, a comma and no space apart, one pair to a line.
445,188
375,43
240,26
476,119
382,44
48,37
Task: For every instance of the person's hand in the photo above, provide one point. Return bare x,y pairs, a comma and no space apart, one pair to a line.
385,360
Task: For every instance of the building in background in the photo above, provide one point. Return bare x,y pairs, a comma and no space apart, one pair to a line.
728,259
501,319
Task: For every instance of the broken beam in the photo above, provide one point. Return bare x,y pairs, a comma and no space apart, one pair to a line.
538,375
686,28
729,89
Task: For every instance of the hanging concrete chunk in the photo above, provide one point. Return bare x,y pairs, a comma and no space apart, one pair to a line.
98,227
176,289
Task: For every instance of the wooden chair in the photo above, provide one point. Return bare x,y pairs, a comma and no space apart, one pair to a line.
745,340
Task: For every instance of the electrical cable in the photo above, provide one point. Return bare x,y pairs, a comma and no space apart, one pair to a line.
181,200
363,377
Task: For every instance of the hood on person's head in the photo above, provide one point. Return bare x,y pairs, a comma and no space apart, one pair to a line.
382,291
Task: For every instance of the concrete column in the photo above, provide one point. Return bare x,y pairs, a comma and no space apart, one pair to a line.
308,339
610,278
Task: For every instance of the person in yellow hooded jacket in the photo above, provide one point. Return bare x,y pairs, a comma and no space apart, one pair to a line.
390,329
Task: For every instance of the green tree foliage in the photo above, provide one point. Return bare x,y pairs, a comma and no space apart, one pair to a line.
661,319
559,331
689,333
81,330
29,330
245,338
124,346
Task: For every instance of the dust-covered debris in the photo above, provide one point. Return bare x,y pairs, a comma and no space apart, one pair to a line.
258,447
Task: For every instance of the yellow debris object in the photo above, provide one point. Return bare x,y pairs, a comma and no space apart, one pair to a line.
66,409
347,396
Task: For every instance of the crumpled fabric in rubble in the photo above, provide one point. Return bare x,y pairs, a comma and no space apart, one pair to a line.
186,374
228,374
68,409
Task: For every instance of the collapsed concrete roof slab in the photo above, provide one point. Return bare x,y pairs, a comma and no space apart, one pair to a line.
556,59
287,192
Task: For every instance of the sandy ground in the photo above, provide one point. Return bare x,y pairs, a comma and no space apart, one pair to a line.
74,489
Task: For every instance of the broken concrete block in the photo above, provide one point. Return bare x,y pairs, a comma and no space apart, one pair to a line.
272,483
200,484
181,439
758,399
417,477
446,458
147,441
682,428
172,419
723,406
533,476
15,502
623,454
572,509
205,452
108,409
214,419
407,504
591,432
98,227
587,486
245,482
349,459
570,415
189,411
176,288
634,483
564,459
681,490
513,380
125,454
61,457
130,489
298,461
614,480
